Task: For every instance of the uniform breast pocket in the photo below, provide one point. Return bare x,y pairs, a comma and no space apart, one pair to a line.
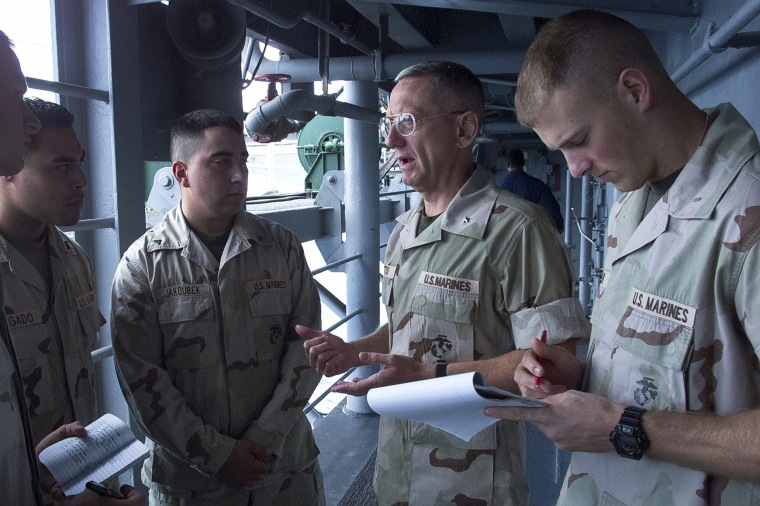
445,304
10,420
190,332
270,302
387,295
649,356
34,343
441,326
90,320
389,274
269,313
655,339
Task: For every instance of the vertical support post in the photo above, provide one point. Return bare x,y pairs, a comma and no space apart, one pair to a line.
584,274
362,208
600,235
569,221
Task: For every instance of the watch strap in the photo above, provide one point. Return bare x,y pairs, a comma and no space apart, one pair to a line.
632,417
630,429
440,368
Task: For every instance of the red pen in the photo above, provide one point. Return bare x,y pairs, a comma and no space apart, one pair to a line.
540,358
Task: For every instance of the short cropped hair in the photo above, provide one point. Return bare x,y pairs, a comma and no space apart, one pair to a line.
188,130
587,48
50,115
458,87
5,40
515,158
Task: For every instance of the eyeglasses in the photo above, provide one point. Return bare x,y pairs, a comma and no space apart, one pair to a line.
406,123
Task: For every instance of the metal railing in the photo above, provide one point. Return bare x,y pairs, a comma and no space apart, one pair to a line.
70,90
310,407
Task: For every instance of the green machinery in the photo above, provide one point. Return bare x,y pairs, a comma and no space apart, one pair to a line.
320,149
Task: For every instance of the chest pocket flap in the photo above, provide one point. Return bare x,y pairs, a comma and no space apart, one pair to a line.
90,319
656,329
269,297
185,303
446,298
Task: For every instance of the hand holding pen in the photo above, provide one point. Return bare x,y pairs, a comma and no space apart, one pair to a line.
541,358
548,369
106,496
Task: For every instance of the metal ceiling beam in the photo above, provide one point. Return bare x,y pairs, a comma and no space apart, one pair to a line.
645,21
402,32
717,41
304,15
517,29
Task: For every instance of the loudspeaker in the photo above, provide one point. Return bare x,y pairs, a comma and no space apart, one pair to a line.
208,33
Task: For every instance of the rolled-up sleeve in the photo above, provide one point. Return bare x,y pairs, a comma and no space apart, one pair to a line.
538,287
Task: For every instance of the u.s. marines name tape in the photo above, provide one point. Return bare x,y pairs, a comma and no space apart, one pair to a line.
662,307
470,286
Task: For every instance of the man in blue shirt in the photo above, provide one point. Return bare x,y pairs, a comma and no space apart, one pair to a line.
530,188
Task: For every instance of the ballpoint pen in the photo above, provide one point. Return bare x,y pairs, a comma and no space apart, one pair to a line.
103,490
540,358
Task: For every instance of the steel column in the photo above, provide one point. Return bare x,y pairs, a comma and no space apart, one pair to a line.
584,274
569,221
362,234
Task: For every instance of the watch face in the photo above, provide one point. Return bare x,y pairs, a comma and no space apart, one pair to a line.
628,437
627,443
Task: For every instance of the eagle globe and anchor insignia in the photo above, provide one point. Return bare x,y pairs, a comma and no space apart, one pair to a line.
441,345
646,392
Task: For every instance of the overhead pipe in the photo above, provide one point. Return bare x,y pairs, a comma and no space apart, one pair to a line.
744,39
300,100
378,68
718,41
323,47
303,15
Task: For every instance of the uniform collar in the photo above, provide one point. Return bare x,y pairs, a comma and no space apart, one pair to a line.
730,142
56,242
173,232
468,212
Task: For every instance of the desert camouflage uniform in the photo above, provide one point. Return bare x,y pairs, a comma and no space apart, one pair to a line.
53,332
479,282
676,325
206,353
17,476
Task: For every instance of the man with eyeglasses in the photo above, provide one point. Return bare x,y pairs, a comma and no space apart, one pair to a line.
471,275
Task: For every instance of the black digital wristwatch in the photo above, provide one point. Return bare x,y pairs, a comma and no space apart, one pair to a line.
628,436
